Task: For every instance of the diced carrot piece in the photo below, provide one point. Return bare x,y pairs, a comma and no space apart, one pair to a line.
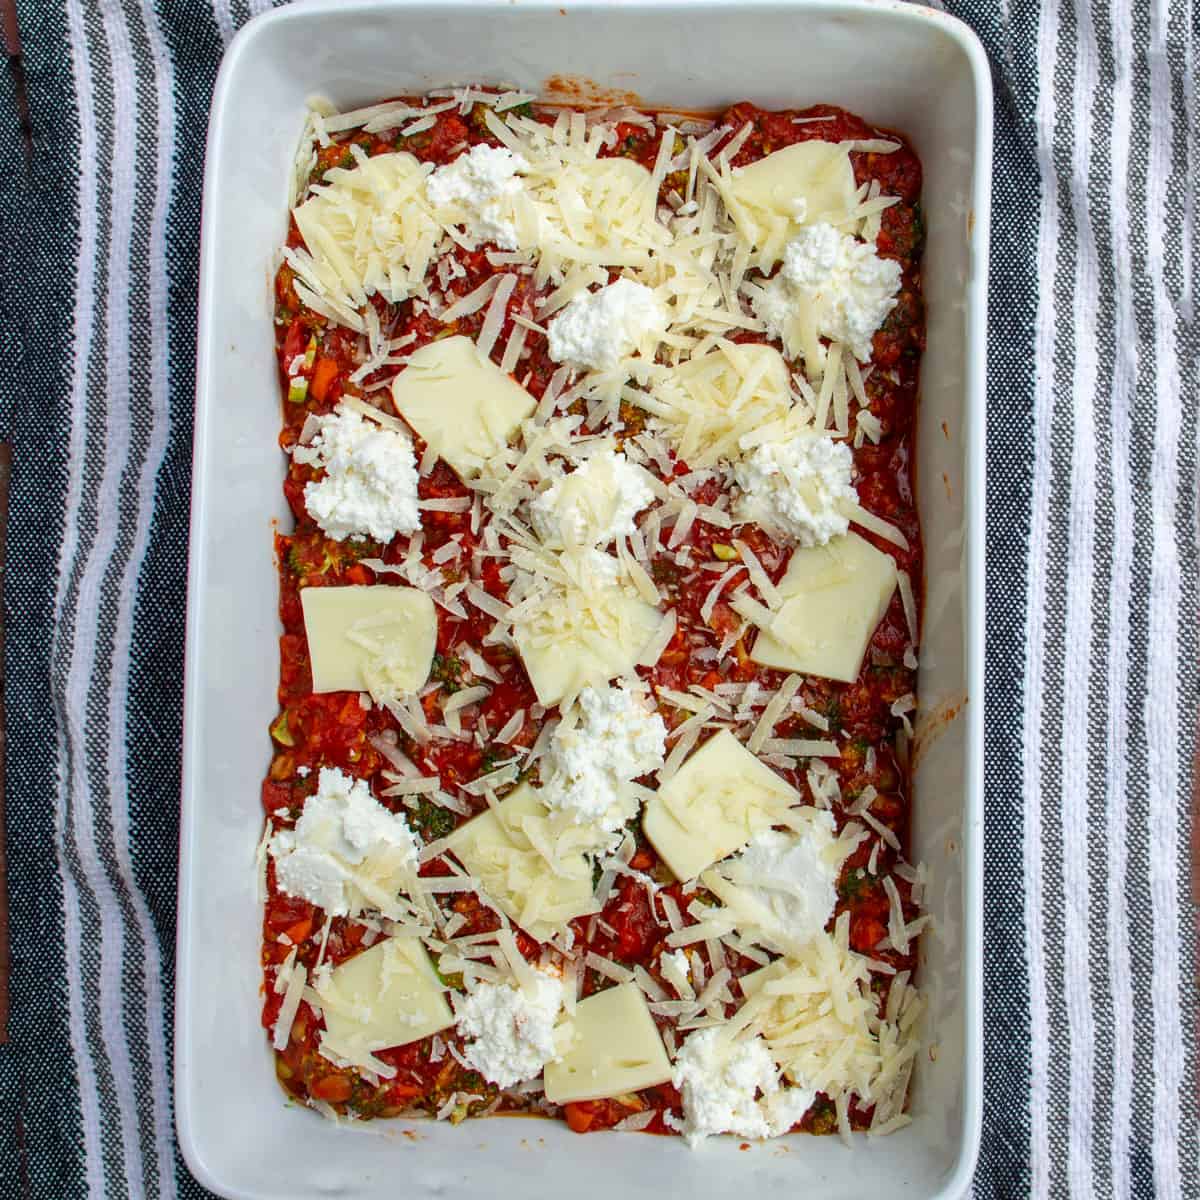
324,373
299,931
579,1117
332,1088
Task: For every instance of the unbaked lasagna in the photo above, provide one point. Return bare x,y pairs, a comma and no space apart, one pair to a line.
589,789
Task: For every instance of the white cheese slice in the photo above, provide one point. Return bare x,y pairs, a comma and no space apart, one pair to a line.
713,805
834,598
798,185
616,1049
386,996
495,849
369,638
462,404
367,229
583,628
563,662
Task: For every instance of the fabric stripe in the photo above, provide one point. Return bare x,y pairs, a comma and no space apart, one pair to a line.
1004,1157
85,698
1143,686
1116,653
147,327
1058,582
84,327
1077,750
223,15
1035,629
1162,716
42,1126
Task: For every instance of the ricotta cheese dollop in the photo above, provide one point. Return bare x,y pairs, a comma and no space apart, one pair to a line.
845,288
511,1030
794,875
476,190
801,488
369,489
733,1088
347,853
592,505
598,329
617,738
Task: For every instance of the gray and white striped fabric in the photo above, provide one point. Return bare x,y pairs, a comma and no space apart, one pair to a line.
1092,637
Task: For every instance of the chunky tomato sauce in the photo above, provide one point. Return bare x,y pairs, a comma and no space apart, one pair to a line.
312,731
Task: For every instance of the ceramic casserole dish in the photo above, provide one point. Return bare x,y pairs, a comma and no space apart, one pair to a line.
904,67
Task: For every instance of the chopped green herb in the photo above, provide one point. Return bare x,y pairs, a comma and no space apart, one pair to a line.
430,820
853,884
447,669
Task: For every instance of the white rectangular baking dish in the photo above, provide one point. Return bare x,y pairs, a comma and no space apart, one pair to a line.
907,67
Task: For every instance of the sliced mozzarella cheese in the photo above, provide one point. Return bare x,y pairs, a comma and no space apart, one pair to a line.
578,622
371,638
834,598
386,996
807,182
462,404
496,850
368,229
563,656
713,805
616,1049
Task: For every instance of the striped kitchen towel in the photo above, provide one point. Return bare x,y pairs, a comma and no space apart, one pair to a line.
1092,636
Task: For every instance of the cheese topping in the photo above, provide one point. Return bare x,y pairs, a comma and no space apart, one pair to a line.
477,190
347,854
707,404
733,1087
368,231
591,763
508,849
598,329
386,996
369,486
691,248
786,883
713,805
770,199
834,597
512,1030
369,638
819,1017
616,1049
831,285
461,403
592,505
576,621
799,488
